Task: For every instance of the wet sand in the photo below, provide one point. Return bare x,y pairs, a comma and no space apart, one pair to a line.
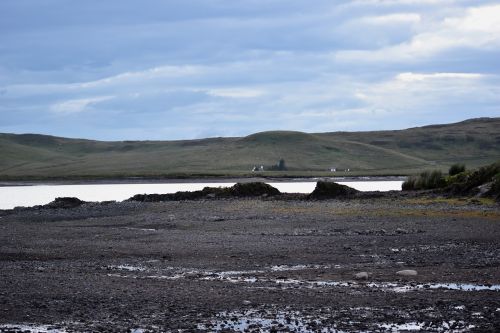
252,264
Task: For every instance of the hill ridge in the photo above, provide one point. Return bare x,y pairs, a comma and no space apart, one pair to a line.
471,120
474,142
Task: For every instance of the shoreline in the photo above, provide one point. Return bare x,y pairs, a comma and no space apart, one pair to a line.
141,180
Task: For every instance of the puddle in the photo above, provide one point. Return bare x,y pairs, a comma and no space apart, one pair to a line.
32,328
255,277
232,273
254,320
284,268
229,276
263,321
458,286
140,229
448,286
129,268
451,326
393,287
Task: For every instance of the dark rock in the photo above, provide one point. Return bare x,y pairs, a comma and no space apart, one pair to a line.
65,202
328,190
255,189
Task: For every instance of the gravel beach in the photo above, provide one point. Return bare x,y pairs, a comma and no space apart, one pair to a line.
256,265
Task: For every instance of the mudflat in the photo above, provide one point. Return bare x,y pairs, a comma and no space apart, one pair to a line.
370,264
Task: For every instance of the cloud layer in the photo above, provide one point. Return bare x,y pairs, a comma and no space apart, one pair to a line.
117,70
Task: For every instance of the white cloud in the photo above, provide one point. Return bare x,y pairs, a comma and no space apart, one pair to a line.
420,93
127,80
413,77
77,105
148,74
391,19
477,28
484,19
235,92
401,2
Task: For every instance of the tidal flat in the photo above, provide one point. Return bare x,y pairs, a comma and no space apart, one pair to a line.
252,265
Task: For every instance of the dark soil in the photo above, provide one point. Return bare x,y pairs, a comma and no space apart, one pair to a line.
259,264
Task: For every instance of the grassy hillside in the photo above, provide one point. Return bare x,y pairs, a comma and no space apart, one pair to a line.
474,142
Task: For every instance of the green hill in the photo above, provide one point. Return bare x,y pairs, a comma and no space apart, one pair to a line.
473,142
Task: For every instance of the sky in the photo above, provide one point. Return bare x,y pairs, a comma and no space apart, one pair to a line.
186,69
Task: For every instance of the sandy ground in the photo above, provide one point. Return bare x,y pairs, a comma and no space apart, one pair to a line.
252,265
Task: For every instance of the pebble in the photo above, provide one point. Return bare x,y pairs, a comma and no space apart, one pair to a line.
407,272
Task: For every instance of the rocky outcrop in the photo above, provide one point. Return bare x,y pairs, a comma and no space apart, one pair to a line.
65,202
253,189
331,190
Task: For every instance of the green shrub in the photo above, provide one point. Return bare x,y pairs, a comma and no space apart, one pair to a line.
427,180
466,183
456,168
409,184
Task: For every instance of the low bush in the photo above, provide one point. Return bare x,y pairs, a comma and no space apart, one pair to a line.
455,169
467,183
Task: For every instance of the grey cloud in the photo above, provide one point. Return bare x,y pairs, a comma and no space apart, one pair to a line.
182,69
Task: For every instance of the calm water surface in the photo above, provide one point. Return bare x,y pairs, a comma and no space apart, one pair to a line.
13,196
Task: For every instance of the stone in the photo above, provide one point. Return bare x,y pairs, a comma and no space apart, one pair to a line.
407,272
401,231
247,302
361,276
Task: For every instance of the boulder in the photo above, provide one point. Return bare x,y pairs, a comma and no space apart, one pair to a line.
407,272
361,276
330,190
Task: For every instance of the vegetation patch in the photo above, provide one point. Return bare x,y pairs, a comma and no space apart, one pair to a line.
31,157
457,201
427,180
457,168
484,182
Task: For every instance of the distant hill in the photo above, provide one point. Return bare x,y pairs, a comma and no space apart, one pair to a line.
474,142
